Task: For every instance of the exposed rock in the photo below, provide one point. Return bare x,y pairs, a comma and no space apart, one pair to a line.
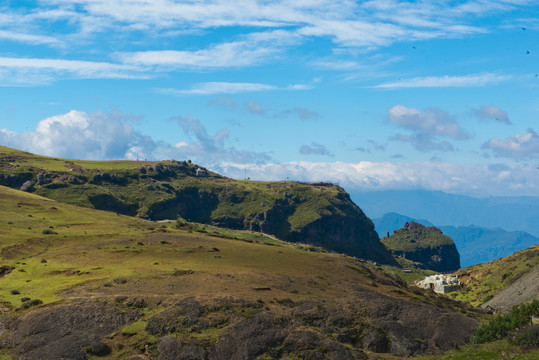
71,331
28,186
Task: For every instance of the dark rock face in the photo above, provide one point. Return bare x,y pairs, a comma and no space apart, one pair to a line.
239,329
73,331
424,245
311,329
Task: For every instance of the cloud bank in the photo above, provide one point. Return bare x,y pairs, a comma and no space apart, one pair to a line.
470,179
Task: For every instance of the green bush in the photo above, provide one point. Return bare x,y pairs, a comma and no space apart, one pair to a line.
528,337
502,325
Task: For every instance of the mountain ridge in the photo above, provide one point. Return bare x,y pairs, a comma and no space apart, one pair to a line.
440,208
320,214
475,244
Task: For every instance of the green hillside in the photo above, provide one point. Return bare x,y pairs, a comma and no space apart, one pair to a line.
78,281
318,214
484,281
424,245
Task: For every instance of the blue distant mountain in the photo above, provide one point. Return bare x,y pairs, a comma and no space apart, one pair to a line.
437,207
475,244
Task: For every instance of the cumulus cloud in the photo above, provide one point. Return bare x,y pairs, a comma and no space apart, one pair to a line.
470,179
523,146
100,136
81,136
210,149
314,149
492,112
426,127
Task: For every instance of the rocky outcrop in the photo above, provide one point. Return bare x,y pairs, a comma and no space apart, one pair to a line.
69,331
424,245
240,329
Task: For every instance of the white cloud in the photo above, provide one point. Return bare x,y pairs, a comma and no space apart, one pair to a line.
207,149
252,49
523,146
27,38
77,135
211,88
474,80
492,112
100,136
23,71
346,23
471,179
426,127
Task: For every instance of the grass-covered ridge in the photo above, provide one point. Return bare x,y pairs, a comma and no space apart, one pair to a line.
414,236
319,214
424,245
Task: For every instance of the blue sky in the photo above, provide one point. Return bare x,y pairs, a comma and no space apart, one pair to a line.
437,95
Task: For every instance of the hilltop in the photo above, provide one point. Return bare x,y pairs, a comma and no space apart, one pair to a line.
319,214
79,283
475,244
424,245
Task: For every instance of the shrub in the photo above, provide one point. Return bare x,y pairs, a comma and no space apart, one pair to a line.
502,325
30,303
528,337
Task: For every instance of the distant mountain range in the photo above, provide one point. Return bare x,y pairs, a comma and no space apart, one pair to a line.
508,213
475,244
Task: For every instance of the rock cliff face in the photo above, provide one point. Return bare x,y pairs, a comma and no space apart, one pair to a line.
318,214
424,245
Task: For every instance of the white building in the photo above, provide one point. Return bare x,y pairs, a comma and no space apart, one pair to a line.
440,283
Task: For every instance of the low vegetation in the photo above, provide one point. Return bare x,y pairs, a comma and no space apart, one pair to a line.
482,282
505,324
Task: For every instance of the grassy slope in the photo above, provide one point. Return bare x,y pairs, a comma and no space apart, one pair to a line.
102,255
258,194
486,280
170,189
91,247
